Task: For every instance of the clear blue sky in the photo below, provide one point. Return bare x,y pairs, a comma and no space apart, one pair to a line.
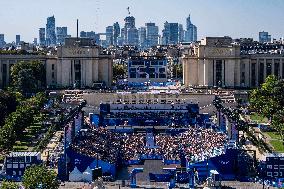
236,18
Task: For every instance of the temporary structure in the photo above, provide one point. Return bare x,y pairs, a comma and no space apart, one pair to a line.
87,175
75,175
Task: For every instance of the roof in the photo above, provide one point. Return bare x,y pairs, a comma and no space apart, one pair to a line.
21,154
270,155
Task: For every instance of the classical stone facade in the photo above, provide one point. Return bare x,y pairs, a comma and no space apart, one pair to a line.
81,64
7,61
255,68
216,61
78,62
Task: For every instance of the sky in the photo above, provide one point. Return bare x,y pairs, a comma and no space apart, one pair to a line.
235,18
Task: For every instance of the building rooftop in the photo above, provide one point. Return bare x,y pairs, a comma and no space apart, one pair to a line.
20,154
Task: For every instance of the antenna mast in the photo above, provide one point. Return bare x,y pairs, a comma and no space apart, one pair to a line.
77,29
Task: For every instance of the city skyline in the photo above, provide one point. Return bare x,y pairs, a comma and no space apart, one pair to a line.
231,18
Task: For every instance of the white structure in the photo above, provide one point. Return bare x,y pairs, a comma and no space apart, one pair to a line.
75,175
88,175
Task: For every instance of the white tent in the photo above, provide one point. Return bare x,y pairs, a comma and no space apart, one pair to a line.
88,175
75,175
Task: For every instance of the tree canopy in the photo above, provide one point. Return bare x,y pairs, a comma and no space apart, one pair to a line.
9,185
119,71
28,77
268,100
8,105
17,121
40,177
177,71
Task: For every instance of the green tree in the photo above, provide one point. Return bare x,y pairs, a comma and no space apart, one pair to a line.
8,104
28,76
119,71
26,82
268,100
177,71
40,176
9,185
17,121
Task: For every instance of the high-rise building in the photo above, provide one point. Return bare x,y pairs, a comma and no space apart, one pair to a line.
130,31
2,40
264,37
92,35
35,42
42,41
18,39
61,34
132,37
191,31
50,31
152,34
109,35
142,37
116,33
170,33
83,34
180,33
129,22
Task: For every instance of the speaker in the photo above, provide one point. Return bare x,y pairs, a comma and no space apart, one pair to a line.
97,172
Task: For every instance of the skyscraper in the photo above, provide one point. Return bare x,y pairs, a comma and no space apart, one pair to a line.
50,31
130,31
132,37
61,34
92,35
152,34
35,42
42,41
2,40
116,33
180,33
170,33
264,37
191,31
18,39
109,35
142,37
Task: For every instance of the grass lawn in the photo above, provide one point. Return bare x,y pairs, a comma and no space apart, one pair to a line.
276,141
29,136
258,118
273,135
277,145
20,148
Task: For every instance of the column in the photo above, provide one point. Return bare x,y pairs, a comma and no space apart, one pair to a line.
264,70
95,69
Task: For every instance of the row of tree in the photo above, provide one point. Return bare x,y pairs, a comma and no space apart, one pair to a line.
268,100
35,177
8,105
28,77
18,121
234,116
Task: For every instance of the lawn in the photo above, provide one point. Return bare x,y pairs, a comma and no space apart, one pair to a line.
258,118
273,135
277,145
276,141
29,137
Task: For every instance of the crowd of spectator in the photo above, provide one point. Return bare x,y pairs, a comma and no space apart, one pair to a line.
99,143
196,143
